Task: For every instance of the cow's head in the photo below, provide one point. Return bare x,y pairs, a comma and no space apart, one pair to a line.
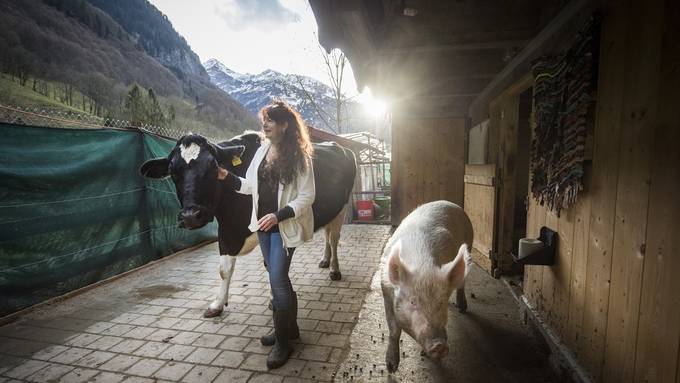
195,166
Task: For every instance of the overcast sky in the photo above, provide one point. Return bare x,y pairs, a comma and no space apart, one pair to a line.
249,36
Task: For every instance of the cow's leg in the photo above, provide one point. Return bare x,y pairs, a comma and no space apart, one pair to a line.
332,231
227,264
326,260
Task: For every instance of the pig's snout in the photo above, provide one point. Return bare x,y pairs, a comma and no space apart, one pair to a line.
438,349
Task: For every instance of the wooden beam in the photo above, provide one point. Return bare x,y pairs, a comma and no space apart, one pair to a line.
446,48
564,24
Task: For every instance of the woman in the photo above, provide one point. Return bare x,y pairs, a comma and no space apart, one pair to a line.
281,181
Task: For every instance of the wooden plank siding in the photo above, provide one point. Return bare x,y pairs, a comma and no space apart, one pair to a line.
428,159
612,295
657,355
644,28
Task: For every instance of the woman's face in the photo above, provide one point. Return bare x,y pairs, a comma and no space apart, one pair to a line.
272,130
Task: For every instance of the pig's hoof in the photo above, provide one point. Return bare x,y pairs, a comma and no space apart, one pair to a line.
335,275
324,264
211,313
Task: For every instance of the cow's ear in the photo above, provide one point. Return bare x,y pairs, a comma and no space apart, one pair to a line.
228,155
156,168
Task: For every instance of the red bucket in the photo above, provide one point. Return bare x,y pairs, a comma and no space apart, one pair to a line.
365,210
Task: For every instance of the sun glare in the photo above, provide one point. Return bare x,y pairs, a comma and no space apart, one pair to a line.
375,107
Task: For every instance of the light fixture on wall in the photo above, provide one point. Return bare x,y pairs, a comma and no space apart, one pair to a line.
408,8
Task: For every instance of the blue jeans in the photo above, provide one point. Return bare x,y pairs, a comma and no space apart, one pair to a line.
277,259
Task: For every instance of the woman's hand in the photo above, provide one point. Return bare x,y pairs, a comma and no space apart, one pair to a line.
267,222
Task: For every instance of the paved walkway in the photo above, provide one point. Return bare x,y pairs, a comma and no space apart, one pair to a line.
148,326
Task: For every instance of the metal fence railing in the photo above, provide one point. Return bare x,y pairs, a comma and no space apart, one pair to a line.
55,118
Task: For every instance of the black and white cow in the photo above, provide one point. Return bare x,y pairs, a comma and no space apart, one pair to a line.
193,165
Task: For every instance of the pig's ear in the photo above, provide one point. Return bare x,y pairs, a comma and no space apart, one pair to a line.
456,270
397,271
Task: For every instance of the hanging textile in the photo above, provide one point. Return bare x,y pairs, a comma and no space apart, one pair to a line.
564,88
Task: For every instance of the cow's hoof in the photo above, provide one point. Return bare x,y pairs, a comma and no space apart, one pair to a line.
211,313
324,264
335,275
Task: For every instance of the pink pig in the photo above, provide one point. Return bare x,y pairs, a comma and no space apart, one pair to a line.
428,258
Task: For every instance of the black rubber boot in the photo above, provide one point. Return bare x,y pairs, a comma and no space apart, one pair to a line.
270,339
283,348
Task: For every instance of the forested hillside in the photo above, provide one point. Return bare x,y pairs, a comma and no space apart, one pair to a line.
79,55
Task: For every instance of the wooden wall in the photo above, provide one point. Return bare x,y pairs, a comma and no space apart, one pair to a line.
428,161
614,294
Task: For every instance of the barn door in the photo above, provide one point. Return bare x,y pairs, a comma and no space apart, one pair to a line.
480,205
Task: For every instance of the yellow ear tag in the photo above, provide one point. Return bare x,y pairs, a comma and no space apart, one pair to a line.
236,161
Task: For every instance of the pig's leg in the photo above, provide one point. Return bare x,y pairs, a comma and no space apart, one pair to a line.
392,355
326,260
461,301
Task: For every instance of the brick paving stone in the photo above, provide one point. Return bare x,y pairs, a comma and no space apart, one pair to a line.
209,340
26,368
107,377
256,347
99,327
184,324
232,376
328,327
265,378
140,332
105,343
117,329
256,331
151,349
334,340
79,375
137,379
202,355
185,337
82,340
202,374
232,329
234,343
70,356
294,379
125,318
309,337
259,320
51,373
173,371
162,335
166,322
255,362
145,367
144,320
94,359
293,367
49,352
316,353
307,324
127,346
209,327
176,352
320,315
119,363
230,359
237,317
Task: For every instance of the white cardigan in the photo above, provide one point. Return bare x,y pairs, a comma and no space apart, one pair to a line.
299,195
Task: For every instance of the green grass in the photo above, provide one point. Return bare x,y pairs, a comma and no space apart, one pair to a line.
13,94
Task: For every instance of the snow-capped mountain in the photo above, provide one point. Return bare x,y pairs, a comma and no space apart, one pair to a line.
257,90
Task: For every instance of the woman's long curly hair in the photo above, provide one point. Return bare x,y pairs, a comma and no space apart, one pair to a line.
295,149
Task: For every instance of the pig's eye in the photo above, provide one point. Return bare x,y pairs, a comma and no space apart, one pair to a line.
413,302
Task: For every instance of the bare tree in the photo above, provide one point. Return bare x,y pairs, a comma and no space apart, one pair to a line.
335,62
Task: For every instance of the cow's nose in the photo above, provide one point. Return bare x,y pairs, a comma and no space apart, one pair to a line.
189,218
438,350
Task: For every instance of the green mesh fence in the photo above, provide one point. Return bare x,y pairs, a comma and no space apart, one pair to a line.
74,210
